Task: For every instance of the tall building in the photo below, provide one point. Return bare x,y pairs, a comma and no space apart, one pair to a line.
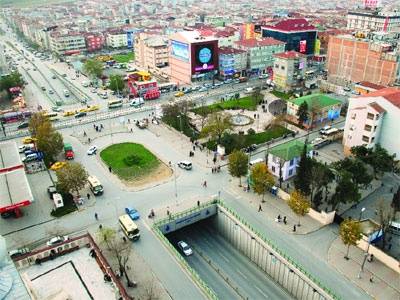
297,34
353,59
117,39
372,119
192,57
289,70
373,20
151,51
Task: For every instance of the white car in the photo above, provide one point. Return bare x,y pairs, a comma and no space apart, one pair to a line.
185,248
57,240
92,150
18,252
187,165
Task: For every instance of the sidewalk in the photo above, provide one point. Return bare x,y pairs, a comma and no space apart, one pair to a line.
272,207
385,283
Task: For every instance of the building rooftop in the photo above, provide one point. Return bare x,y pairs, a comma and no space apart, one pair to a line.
391,94
322,100
192,36
377,107
371,85
290,55
251,43
230,50
9,156
288,151
291,25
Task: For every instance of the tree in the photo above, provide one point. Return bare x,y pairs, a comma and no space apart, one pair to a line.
302,113
378,158
93,67
256,96
315,109
302,179
14,79
396,200
299,204
346,190
320,177
357,168
217,124
350,233
386,215
261,179
118,248
72,177
116,83
238,164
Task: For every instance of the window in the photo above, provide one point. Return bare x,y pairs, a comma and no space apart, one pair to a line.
370,116
365,139
375,128
377,117
372,140
367,127
291,162
273,169
282,67
353,116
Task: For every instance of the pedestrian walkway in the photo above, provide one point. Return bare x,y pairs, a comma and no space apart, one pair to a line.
274,207
385,281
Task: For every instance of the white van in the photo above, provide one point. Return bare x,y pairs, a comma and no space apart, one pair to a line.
394,227
85,84
256,161
30,157
187,165
95,186
137,102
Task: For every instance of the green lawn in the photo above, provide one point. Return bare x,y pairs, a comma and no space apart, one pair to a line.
129,160
124,58
242,103
265,136
281,95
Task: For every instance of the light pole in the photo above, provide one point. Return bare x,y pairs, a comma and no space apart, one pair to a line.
176,189
361,212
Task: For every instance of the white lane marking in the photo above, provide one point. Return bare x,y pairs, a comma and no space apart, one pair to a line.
266,296
224,257
244,276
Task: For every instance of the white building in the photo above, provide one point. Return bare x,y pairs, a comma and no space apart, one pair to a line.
117,39
373,20
68,43
374,119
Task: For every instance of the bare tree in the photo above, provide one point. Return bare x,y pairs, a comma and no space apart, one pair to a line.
386,215
150,290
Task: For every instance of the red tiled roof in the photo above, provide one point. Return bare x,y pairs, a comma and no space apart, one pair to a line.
377,107
371,85
391,94
251,43
230,50
289,55
291,25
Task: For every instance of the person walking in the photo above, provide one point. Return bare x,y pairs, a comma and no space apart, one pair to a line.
96,216
205,183
259,208
88,196
284,220
294,228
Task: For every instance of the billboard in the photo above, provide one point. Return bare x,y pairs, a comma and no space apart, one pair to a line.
303,46
180,50
204,57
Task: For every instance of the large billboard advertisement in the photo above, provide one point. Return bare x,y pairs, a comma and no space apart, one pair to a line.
180,50
205,57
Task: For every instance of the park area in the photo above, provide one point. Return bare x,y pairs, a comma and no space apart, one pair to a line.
124,58
134,164
246,103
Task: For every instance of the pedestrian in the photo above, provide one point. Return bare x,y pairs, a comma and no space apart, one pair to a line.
88,196
259,208
109,169
94,126
284,220
100,226
294,228
371,258
214,159
205,183
124,239
96,216
219,169
279,218
101,126
194,148
390,246
89,140
212,170
371,279
84,133
198,203
131,129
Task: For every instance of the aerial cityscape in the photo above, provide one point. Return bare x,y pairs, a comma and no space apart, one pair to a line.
181,149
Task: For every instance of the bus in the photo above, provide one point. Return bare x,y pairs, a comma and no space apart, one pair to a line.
129,227
115,103
95,186
50,115
167,87
16,116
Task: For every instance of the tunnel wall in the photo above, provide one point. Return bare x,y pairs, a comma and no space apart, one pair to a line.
268,258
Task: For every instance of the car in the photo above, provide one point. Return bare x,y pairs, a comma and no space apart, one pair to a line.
317,140
132,213
184,164
58,165
93,108
51,92
84,109
80,114
93,90
57,240
23,125
43,88
85,84
64,75
346,89
229,80
30,157
54,77
250,148
29,140
263,76
179,94
8,214
137,102
325,129
92,150
218,84
69,113
56,109
185,248
203,89
34,69
18,252
51,190
23,148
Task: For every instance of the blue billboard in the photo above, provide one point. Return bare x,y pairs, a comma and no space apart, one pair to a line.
180,50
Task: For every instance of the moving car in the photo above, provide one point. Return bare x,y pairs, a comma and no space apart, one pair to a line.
94,90
203,89
184,164
263,76
66,93
250,148
43,88
23,148
57,240
92,150
69,113
18,252
80,114
93,108
58,165
30,157
324,129
185,248
137,102
54,77
132,213
51,92
179,94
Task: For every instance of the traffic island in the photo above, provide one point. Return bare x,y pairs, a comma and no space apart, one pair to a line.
134,165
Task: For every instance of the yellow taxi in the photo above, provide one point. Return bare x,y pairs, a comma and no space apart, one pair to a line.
58,165
179,94
29,140
83,109
93,108
69,113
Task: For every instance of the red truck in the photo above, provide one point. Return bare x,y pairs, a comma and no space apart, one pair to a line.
68,151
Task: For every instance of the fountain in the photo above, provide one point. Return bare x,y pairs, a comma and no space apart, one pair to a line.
240,120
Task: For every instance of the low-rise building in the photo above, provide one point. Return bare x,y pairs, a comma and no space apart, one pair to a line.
321,109
283,159
374,119
232,62
151,51
94,42
373,20
67,43
117,39
260,54
289,70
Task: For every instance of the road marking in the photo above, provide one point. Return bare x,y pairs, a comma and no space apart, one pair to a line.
266,296
244,276
224,257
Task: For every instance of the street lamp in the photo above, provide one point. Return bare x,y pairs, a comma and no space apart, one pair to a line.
361,212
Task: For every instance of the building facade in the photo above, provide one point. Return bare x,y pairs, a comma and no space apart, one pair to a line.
289,70
67,44
117,39
94,42
354,60
373,20
374,119
232,62
151,51
260,54
297,34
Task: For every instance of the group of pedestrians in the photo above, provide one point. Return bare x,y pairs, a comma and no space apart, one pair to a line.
278,219
216,169
98,128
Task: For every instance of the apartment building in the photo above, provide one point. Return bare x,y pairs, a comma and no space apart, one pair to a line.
351,59
67,43
373,118
94,41
151,51
373,20
232,62
289,70
260,54
117,39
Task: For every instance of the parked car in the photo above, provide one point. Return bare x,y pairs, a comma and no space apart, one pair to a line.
23,125
132,213
250,148
56,109
93,108
43,88
18,252
137,102
263,76
92,150
184,164
54,77
30,157
324,129
57,240
80,114
179,94
8,214
69,113
185,248
203,89
58,165
51,92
